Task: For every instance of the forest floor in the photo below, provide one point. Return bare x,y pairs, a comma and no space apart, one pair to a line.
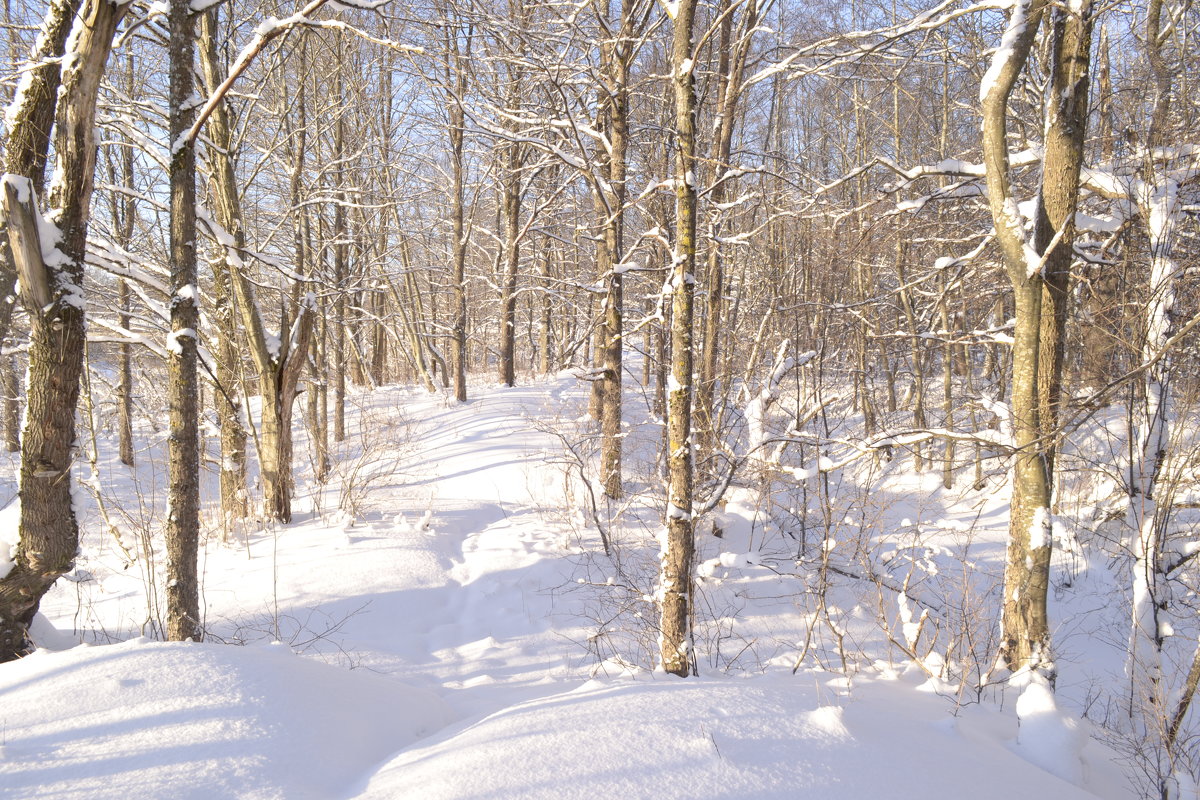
433,624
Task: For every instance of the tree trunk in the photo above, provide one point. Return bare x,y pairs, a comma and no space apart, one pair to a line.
340,270
26,153
920,421
230,412
616,60
731,61
675,581
456,87
1054,225
546,310
53,295
1039,273
317,408
183,443
124,212
947,383
510,208
1161,211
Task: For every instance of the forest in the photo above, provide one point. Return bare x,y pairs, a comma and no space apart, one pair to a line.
500,346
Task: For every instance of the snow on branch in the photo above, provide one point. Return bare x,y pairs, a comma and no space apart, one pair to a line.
268,30
847,47
107,256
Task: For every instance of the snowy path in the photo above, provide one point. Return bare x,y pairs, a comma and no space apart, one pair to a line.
468,531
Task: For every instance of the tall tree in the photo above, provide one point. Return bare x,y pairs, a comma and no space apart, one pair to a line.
675,581
279,361
183,443
457,38
1038,268
52,291
733,48
230,413
512,158
26,151
617,53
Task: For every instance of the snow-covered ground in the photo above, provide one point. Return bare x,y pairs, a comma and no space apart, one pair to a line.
432,625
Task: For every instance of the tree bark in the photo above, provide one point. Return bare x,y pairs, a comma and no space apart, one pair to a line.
675,581
53,295
25,154
230,413
1039,273
511,213
183,442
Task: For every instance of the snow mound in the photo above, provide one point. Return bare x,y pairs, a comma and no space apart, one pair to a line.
763,737
181,720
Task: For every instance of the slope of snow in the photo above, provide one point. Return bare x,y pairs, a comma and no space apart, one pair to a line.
153,719
766,737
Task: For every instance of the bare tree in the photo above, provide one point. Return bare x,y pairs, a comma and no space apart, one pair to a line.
183,499
278,360
52,292
1038,268
29,127
675,582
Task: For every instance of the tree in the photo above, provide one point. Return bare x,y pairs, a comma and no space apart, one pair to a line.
457,38
228,354
512,162
29,128
278,360
731,62
618,49
52,291
675,581
183,500
1038,268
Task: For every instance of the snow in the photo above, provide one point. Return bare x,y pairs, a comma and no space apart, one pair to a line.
1004,54
428,638
271,24
174,345
22,186
1040,528
1048,737
675,512
127,720
717,738
10,518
